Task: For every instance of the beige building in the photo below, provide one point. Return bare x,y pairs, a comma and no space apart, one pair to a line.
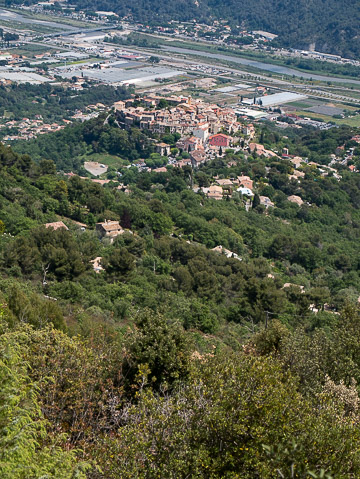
265,201
295,199
215,192
163,149
109,229
56,225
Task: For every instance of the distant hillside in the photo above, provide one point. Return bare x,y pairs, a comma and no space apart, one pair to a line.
332,25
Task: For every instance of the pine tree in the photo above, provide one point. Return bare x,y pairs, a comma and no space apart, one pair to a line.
256,201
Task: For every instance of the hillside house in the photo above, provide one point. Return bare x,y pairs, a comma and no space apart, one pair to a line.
245,181
56,225
297,175
191,144
248,130
296,161
119,105
163,149
197,157
224,182
183,163
295,199
215,192
229,254
265,201
260,150
109,229
96,263
202,132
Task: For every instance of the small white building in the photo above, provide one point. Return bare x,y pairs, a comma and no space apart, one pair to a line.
202,132
245,191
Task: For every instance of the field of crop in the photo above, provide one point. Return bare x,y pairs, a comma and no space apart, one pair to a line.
30,27
52,18
354,121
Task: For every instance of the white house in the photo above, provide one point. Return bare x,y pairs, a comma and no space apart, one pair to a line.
245,191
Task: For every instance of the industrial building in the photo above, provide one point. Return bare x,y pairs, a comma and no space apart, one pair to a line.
120,76
275,99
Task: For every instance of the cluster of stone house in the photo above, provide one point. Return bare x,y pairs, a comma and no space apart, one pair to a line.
56,225
205,129
229,254
187,117
261,150
225,187
110,229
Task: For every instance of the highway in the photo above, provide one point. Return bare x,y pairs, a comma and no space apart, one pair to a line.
180,61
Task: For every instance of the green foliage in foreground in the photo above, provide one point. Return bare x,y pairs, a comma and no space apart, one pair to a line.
237,416
26,450
231,415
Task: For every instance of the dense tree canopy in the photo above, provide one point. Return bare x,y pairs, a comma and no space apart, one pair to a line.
172,358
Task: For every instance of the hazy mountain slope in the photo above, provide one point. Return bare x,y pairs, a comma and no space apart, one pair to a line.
332,25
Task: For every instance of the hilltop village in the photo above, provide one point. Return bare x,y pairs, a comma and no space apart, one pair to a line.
199,133
205,129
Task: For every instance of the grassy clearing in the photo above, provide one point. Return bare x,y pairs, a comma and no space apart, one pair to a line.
343,106
30,27
350,93
311,114
85,60
109,160
355,121
32,49
55,19
300,104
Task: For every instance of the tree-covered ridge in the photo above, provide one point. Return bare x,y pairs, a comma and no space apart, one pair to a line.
204,290
318,239
53,102
174,359
100,135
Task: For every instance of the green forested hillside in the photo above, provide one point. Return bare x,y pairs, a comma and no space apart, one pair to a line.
173,360
53,103
98,135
